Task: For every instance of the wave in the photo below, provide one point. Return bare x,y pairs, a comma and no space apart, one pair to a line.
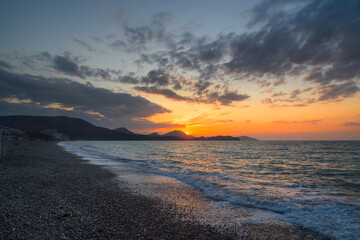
306,205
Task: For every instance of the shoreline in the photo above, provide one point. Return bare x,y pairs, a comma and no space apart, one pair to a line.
50,193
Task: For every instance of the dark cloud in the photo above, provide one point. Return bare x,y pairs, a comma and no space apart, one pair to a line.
209,52
158,58
279,94
224,98
227,97
97,73
319,38
163,92
317,33
43,56
118,44
6,65
338,91
84,44
295,93
70,67
177,86
65,65
351,124
138,36
157,77
128,79
201,86
187,38
40,92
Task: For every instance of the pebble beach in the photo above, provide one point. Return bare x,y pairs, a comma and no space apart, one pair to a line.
48,193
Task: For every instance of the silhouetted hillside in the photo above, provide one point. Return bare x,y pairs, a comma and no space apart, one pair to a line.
76,128
246,138
80,129
178,134
222,138
124,130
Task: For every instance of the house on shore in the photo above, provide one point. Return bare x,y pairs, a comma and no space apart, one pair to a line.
53,133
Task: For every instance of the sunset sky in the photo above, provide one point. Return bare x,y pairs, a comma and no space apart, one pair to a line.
273,70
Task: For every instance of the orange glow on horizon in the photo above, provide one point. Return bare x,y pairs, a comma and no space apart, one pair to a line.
260,120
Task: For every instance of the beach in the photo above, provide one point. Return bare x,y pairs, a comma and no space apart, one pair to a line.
47,192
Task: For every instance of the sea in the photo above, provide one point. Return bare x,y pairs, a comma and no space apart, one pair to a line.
312,184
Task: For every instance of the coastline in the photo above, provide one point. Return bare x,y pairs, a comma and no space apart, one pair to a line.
50,193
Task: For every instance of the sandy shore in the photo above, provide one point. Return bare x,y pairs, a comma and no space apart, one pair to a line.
46,192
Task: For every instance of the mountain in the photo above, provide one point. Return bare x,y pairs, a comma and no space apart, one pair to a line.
222,138
184,136
76,128
246,138
124,130
154,134
178,134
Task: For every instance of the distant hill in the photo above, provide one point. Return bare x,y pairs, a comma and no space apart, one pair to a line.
124,130
178,134
222,138
76,128
182,135
154,134
246,138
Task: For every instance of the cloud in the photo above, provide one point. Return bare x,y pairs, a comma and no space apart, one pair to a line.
96,39
227,97
118,44
338,91
316,33
159,58
224,98
279,94
158,77
43,56
65,65
50,94
163,92
351,124
319,38
6,65
201,86
314,122
136,37
289,102
70,67
146,125
295,93
206,119
84,44
128,79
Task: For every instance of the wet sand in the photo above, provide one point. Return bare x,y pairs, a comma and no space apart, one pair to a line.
46,192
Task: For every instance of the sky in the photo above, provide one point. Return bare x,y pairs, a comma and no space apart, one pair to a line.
273,70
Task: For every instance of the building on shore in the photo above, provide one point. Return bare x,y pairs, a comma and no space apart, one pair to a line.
54,134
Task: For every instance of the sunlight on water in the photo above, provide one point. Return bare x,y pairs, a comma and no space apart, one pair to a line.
313,184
